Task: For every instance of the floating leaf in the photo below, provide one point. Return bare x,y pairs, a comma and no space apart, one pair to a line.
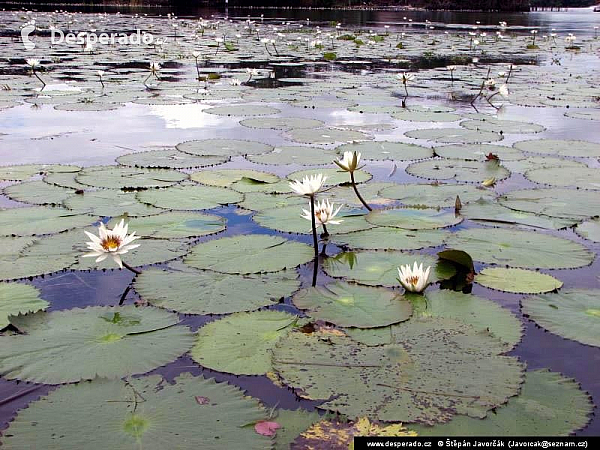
566,203
266,428
241,110
548,405
174,225
227,177
502,126
295,154
559,147
454,135
191,291
166,159
38,220
571,313
383,150
517,280
240,343
17,299
466,171
38,193
146,412
413,219
351,305
81,344
281,123
334,176
478,152
520,248
223,147
111,203
325,135
434,195
114,177
590,229
249,254
387,238
293,422
579,177
437,368
189,197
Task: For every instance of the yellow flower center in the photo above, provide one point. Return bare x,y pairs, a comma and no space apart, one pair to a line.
111,243
413,280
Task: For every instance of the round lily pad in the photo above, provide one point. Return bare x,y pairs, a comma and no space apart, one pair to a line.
241,110
388,238
110,203
579,177
189,197
353,305
411,115
536,162
38,220
18,299
437,368
289,219
174,225
466,171
295,154
590,229
520,281
559,147
249,254
381,268
571,313
383,150
554,202
223,147
258,201
192,291
434,195
590,114
413,218
141,412
293,422
517,248
281,123
25,171
454,135
241,343
227,177
113,177
82,344
169,159
38,193
502,126
325,135
334,176
478,152
549,404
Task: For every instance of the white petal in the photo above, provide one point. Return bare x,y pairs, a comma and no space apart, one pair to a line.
116,258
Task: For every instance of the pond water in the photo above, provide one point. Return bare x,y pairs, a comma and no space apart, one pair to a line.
225,164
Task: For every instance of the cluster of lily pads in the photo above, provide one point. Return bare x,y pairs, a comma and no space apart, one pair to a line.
352,340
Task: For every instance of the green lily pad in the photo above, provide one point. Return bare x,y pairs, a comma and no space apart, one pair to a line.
110,203
288,219
466,171
114,177
437,368
169,159
295,154
502,126
334,176
434,195
37,220
25,171
38,193
590,229
579,177
525,249
141,412
482,314
81,344
520,281
425,116
549,405
189,197
387,238
190,291
571,313
559,147
259,201
352,305
223,147
249,254
174,225
241,343
293,422
536,162
554,202
454,135
478,152
242,110
384,151
18,299
413,219
227,177
591,114
325,135
381,268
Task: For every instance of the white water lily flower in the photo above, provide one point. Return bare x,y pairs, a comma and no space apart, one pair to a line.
196,54
350,161
415,279
503,91
324,213
490,83
33,62
101,73
405,77
308,185
154,67
113,242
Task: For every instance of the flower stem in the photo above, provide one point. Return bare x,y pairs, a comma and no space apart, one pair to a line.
362,200
315,270
41,81
124,295
128,267
314,226
325,233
